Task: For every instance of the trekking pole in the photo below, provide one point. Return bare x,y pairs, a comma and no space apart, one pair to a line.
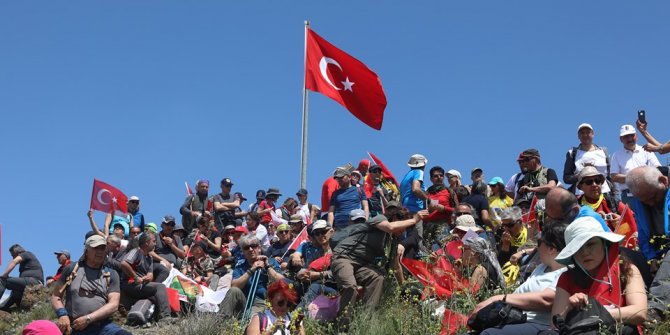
250,298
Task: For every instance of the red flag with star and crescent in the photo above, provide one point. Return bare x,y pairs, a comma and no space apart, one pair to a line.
343,78
107,198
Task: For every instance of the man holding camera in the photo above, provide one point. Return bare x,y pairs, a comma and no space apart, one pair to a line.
538,180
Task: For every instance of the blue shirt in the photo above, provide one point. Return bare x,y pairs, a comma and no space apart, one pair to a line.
409,200
310,252
345,200
262,288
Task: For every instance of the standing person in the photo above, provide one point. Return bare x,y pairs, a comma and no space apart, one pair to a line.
355,258
412,188
481,205
134,210
225,204
513,183
537,180
439,207
195,205
345,199
587,153
329,186
260,196
625,160
89,313
306,209
30,273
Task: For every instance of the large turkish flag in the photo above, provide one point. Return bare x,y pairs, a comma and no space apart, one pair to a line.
341,77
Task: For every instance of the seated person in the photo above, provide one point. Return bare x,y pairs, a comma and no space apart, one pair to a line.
168,245
63,258
590,182
137,276
277,318
200,266
30,273
279,249
205,232
479,263
599,272
314,281
245,270
512,233
536,295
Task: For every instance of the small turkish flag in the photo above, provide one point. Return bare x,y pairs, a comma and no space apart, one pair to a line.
298,240
335,74
107,198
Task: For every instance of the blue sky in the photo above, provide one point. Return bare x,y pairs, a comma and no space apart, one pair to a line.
145,95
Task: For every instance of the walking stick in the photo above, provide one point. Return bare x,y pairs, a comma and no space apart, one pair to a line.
250,298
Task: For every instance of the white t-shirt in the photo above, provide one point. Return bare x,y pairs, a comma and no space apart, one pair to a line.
511,183
625,160
538,281
596,158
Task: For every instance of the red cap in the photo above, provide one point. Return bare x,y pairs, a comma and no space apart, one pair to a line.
241,229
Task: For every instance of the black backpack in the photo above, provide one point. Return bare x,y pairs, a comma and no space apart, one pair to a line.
594,319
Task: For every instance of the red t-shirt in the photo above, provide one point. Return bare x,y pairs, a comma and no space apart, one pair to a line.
267,217
329,186
442,198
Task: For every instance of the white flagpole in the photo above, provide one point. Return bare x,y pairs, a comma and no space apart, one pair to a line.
305,120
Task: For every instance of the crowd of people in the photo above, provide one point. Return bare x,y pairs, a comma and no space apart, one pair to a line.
601,234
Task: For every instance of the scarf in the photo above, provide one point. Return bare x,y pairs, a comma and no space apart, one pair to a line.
595,205
521,239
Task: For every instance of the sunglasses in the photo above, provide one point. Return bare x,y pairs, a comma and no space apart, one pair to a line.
319,232
283,232
281,303
460,213
597,181
508,225
252,247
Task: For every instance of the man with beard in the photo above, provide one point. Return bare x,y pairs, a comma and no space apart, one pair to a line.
439,206
538,180
625,160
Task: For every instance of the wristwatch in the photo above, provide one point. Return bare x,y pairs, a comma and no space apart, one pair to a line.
88,319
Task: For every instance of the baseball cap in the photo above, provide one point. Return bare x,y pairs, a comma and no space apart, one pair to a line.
178,227
476,169
260,194
530,153
301,191
375,168
319,224
134,198
584,125
240,195
496,180
283,227
152,227
227,182
342,171
63,252
626,129
95,241
229,227
169,219
356,214
241,229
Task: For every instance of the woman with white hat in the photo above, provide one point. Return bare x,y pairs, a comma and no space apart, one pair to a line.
599,273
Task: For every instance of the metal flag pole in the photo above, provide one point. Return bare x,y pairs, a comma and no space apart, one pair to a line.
305,119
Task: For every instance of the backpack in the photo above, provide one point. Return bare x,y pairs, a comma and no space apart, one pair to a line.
594,319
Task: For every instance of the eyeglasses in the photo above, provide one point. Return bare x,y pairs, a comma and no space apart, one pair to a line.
133,201
319,232
252,247
598,181
281,303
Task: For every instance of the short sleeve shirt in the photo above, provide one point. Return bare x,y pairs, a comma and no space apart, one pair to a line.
223,218
345,200
541,278
623,161
30,266
409,200
310,252
262,288
142,264
89,290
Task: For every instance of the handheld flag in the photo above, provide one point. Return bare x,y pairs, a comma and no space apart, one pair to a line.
341,77
107,198
189,191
